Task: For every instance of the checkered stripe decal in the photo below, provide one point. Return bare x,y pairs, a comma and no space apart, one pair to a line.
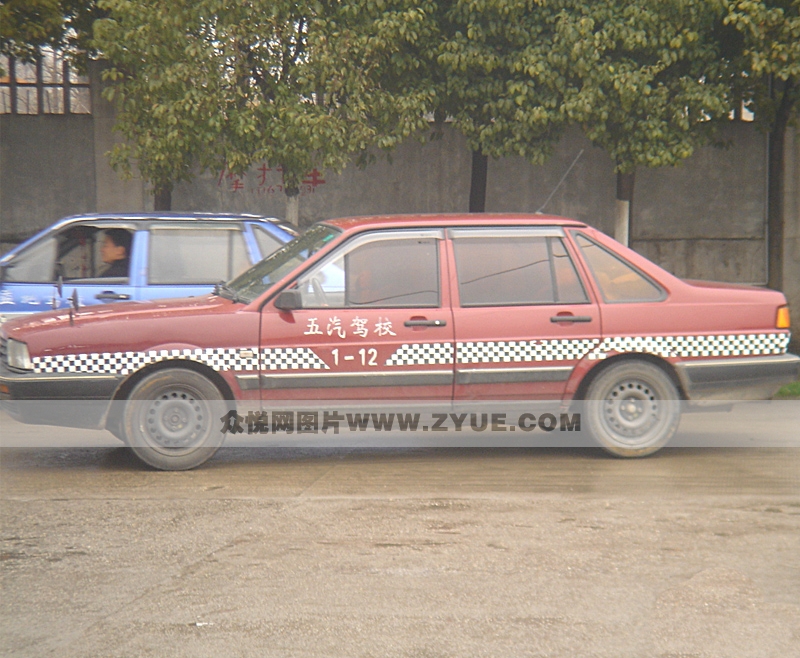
413,354
123,363
696,346
524,351
292,358
422,354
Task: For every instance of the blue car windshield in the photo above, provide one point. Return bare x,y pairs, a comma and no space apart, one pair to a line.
247,287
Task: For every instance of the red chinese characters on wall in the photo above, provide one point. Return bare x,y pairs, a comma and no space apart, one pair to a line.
264,181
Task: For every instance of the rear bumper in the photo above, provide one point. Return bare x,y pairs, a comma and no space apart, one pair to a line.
743,378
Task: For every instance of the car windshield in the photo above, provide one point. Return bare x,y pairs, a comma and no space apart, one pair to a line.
251,284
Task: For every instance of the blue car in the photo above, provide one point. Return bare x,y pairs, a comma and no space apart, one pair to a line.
105,258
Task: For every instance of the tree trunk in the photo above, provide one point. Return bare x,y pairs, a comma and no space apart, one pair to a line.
477,188
162,198
293,206
622,226
775,219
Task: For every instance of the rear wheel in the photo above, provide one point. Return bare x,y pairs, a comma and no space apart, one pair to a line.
171,419
633,409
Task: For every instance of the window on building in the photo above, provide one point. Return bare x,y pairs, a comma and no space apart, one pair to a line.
47,85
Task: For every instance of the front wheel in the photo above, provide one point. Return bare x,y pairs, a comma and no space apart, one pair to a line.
170,419
633,409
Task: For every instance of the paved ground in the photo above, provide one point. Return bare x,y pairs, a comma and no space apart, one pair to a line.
402,552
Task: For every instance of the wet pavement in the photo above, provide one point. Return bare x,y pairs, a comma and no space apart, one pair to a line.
401,552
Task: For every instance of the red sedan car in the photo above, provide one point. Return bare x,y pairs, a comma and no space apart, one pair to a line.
442,307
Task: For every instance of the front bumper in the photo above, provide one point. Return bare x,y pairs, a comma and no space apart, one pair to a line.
742,378
63,400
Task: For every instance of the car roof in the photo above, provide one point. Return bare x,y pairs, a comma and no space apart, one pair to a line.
149,217
168,215
451,220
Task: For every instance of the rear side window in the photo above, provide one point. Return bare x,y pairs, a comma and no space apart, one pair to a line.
618,281
515,270
196,256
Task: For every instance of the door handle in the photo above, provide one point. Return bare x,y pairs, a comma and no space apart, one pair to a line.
111,295
570,318
425,323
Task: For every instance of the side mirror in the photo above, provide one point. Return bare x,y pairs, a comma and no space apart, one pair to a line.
289,300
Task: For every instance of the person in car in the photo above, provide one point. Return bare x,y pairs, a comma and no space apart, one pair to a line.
115,252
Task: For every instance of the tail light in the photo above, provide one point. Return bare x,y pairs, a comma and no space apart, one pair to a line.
782,320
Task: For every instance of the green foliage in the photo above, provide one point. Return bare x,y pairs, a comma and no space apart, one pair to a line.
315,83
496,80
767,63
26,26
644,78
230,83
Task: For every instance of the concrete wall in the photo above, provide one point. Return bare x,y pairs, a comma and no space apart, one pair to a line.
704,219
791,236
47,171
112,193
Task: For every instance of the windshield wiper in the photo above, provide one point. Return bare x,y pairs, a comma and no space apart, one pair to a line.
222,289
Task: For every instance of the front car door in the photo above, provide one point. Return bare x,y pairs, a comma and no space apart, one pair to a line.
375,324
523,317
72,254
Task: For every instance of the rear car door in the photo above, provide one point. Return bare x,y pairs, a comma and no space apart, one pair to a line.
523,317
185,260
375,324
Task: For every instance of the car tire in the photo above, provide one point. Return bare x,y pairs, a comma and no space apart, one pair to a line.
633,409
170,419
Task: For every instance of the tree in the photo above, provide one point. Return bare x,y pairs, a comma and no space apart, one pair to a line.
768,80
643,79
496,81
297,84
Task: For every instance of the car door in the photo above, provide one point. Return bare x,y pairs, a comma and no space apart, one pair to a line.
28,279
72,257
186,260
86,275
523,317
375,324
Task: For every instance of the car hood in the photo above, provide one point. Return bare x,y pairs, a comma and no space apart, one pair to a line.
126,326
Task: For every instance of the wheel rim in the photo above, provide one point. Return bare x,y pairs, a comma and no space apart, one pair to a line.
175,421
634,412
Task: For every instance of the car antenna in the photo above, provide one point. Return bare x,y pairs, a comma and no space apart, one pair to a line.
73,306
577,157
59,288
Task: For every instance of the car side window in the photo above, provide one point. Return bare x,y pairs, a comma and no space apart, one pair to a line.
34,265
618,281
89,252
515,269
392,272
196,256
267,243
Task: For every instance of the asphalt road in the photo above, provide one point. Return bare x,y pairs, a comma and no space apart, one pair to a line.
412,552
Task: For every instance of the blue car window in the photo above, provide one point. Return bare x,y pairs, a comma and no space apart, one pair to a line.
196,256
34,265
